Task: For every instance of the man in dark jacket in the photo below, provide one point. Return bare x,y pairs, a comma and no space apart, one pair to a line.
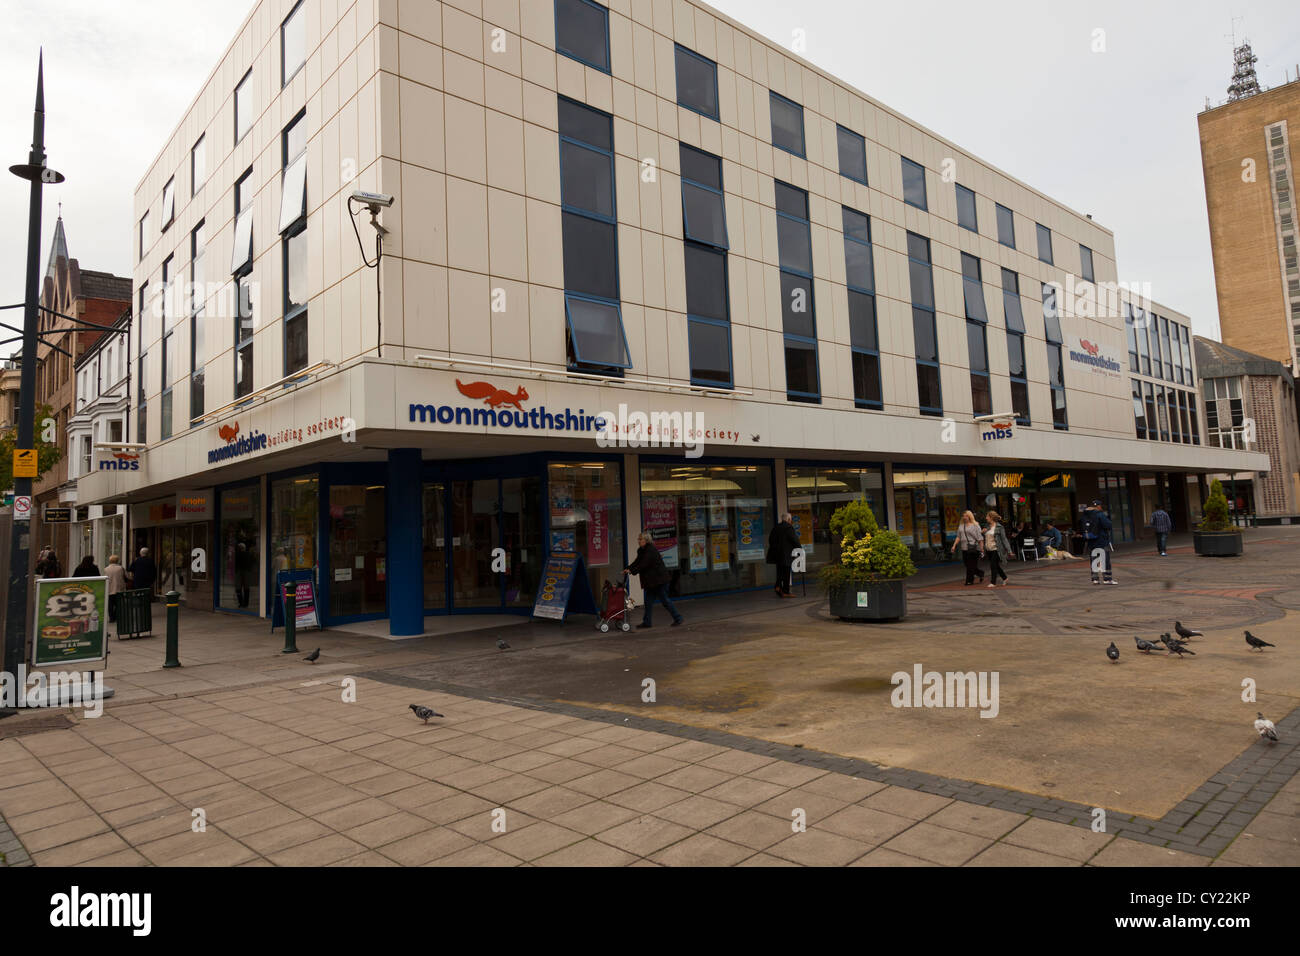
1098,530
143,571
781,544
1162,524
649,564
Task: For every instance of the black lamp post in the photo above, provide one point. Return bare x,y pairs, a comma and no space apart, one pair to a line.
38,174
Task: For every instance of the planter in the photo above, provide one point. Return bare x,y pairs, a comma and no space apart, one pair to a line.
1217,544
878,601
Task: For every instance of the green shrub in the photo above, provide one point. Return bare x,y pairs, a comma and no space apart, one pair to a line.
1214,516
867,552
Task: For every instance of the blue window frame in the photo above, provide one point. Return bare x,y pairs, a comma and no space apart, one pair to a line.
973,288
914,184
787,124
1051,313
198,344
981,389
596,341
708,310
1019,381
1085,263
582,32
967,217
1006,225
853,155
1044,244
798,310
1056,379
924,330
864,340
697,82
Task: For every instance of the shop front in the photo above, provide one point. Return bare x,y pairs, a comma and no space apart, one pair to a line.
815,490
177,532
928,504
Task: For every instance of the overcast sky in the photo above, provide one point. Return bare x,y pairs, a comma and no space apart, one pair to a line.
1016,83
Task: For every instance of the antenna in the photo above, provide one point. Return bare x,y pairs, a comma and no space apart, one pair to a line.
1244,81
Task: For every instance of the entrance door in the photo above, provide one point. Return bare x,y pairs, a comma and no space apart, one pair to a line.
494,523
173,559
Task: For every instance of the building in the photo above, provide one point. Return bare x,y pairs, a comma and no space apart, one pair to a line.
1249,159
92,298
641,271
1250,402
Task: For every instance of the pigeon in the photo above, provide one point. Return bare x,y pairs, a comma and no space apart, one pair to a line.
1164,639
1178,647
313,656
424,713
1185,632
1113,652
502,645
1256,643
1265,728
1145,646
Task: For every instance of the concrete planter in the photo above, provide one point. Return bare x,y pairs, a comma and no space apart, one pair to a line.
1217,544
878,601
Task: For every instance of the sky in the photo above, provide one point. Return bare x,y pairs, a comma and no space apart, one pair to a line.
1110,132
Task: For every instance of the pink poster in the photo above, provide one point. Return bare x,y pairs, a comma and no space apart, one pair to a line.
597,533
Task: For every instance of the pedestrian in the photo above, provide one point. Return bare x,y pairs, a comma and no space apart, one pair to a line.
1162,524
1097,531
996,548
649,565
52,567
781,545
116,575
1051,536
971,542
41,560
87,568
143,572
244,562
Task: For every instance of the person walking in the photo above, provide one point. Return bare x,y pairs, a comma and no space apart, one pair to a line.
996,548
41,560
1097,531
116,575
143,572
649,566
87,568
781,545
1162,524
971,542
51,567
243,574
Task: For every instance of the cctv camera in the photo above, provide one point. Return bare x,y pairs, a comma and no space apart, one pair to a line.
372,199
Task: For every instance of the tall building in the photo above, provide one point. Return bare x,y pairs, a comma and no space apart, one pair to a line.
639,269
1249,157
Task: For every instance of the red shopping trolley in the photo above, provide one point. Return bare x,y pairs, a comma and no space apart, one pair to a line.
616,603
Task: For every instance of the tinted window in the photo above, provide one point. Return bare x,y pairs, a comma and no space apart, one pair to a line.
866,378
243,106
582,32
1016,357
927,347
587,179
800,367
853,154
966,209
913,184
927,387
590,257
697,82
293,43
710,346
585,125
862,321
597,331
706,282
1015,318
791,201
1044,243
1006,227
1085,262
797,305
787,124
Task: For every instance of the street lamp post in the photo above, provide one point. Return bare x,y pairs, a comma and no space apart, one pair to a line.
38,174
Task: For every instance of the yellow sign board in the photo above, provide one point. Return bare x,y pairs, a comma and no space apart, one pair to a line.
24,462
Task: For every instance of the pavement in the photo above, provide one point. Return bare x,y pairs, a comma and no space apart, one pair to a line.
771,738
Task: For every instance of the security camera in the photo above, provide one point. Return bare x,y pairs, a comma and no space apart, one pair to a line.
372,199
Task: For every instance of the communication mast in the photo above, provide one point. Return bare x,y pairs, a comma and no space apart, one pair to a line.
1244,82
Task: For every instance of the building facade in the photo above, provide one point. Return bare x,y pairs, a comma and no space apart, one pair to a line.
642,270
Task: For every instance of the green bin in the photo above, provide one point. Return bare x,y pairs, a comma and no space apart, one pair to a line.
134,613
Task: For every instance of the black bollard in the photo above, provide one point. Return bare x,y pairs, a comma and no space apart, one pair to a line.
173,614
290,620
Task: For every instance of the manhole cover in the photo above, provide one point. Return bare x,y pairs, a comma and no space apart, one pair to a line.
22,725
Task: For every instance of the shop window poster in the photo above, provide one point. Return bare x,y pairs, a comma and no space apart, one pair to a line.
566,541
751,544
720,546
597,532
699,553
717,512
802,516
905,523
695,512
562,511
659,518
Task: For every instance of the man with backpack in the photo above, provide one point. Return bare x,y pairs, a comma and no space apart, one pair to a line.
1097,531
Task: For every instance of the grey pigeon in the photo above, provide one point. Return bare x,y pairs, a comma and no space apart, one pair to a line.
1164,639
313,656
502,645
1145,646
1178,647
424,713
1265,728
1113,652
1256,643
1185,632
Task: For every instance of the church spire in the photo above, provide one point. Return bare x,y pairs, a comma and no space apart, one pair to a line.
58,247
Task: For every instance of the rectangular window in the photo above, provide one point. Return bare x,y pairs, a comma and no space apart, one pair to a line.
293,44
929,395
1184,400
707,301
1011,310
1140,322
1175,421
1056,379
1131,332
1176,341
1139,410
241,258
966,217
595,338
798,313
1157,358
697,83
198,246
293,193
1191,414
144,235
1006,226
1162,413
1085,264
973,288
787,124
1019,382
1044,244
1149,397
582,32
1187,363
1166,351
169,203
914,184
244,337
168,361
295,301
853,155
860,273
980,389
244,106
198,164
164,299
1051,314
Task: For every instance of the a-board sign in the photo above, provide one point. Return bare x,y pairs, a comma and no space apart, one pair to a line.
303,582
563,588
70,621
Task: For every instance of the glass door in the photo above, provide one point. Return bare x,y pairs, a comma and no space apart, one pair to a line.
173,559
475,532
521,536
434,550
358,542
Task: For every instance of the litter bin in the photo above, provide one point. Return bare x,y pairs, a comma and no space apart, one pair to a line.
134,613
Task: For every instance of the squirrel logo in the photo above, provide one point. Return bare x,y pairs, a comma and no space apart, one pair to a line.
1088,347
228,432
492,395
125,456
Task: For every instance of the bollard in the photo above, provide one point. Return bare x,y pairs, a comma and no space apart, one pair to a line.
290,620
173,599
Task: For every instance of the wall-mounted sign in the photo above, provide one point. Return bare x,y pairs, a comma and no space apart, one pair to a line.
194,505
23,508
153,512
24,462
120,461
997,430
57,515
1091,355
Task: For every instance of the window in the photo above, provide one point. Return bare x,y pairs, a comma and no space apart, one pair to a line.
198,164
1019,383
707,302
787,124
980,389
1044,244
144,235
929,395
1168,361
1085,263
141,425
1187,365
853,155
169,203
1162,412
1056,379
168,363
293,44
1149,395
1131,332
85,455
1224,413
244,106
164,300
966,217
1006,226
697,83
293,232
1191,414
1177,343
243,337
914,184
864,341
241,259
596,341
1140,322
1175,425
1139,411
1157,360
198,344
973,288
1051,313
798,312
293,194
1011,311
582,32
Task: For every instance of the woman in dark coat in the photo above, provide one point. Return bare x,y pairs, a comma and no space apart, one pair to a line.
87,568
649,564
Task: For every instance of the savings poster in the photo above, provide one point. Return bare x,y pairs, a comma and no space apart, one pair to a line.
659,518
750,540
597,532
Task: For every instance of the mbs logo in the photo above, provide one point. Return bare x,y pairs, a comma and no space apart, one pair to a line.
121,461
493,396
